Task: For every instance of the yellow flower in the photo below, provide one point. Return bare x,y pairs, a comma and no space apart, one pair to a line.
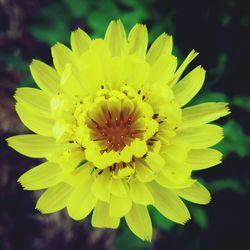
110,122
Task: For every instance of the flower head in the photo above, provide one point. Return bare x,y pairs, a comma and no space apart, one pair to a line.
110,121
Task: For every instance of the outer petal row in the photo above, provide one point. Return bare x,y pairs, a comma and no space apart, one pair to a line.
37,146
203,113
203,136
45,76
189,86
80,41
163,45
43,176
116,38
54,198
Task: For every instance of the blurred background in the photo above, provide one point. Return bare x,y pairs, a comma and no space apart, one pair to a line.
219,30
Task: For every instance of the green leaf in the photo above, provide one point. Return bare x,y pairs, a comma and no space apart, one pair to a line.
81,163
221,64
225,19
235,140
58,32
127,240
161,222
242,102
227,184
52,24
136,3
78,8
155,31
168,23
99,19
131,3
129,19
200,216
28,82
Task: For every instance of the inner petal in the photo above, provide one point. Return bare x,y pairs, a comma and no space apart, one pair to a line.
115,123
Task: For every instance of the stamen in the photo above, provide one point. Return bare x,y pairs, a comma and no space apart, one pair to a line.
100,172
119,130
155,116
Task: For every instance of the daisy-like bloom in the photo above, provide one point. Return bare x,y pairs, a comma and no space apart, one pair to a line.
111,122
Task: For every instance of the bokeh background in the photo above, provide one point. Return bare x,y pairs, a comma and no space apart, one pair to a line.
219,30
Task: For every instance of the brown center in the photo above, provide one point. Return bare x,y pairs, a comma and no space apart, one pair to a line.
115,130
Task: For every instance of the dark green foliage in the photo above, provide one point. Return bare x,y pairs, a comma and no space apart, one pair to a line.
126,240
200,216
48,29
229,184
242,102
235,140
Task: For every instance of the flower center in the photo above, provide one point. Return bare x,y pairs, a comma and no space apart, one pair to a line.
115,124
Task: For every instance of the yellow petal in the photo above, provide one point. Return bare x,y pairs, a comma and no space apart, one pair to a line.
138,148
114,105
138,40
203,113
139,193
100,47
161,46
36,146
34,121
125,172
189,86
43,176
155,161
163,70
143,172
196,193
101,186
116,38
178,149
169,204
45,77
136,71
119,206
115,77
101,217
92,74
139,222
183,66
203,136
82,200
35,99
70,83
167,182
203,158
62,56
118,187
74,173
175,170
80,41
54,198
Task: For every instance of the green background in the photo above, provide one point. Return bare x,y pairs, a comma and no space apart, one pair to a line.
216,29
